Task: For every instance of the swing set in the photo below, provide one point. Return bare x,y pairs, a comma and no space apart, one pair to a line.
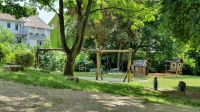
98,56
114,71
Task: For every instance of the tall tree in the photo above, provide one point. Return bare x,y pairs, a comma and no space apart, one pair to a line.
183,18
88,9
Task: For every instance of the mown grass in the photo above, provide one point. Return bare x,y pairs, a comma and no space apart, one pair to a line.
133,89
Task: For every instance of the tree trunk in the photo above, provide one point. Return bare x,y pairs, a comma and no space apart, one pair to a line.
147,50
81,25
119,56
69,65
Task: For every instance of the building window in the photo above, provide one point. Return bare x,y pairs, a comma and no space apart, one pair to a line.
16,26
8,24
19,39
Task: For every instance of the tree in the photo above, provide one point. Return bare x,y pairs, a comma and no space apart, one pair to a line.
85,10
89,9
183,19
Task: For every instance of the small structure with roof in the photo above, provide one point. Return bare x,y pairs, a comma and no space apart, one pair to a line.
173,66
140,67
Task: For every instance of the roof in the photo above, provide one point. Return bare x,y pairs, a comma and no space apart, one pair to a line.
140,63
9,17
174,60
35,21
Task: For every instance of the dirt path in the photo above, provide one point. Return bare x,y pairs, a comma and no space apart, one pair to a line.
16,97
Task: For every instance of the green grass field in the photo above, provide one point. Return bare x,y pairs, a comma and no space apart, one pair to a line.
167,86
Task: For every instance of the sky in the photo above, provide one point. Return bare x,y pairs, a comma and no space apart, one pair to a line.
46,16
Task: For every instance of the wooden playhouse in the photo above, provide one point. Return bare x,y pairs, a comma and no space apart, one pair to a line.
140,67
173,66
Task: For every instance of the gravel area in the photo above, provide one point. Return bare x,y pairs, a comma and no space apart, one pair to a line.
15,97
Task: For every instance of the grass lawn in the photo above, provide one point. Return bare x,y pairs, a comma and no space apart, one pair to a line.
168,95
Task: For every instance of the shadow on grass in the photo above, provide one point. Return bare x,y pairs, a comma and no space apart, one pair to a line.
190,98
37,78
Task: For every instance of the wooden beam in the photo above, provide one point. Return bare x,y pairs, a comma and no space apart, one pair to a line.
98,51
106,51
89,50
50,49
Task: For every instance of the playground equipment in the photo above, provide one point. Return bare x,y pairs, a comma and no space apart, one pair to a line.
140,67
98,54
173,66
82,66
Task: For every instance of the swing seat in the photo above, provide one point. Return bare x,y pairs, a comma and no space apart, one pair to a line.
114,71
93,70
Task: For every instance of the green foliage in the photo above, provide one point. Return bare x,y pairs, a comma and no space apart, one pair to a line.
14,8
51,60
83,58
24,58
182,17
55,37
5,50
6,35
136,12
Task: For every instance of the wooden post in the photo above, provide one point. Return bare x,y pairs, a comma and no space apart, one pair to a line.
98,72
129,65
128,74
36,58
176,68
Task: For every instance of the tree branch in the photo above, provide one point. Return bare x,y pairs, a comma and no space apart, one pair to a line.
121,9
62,27
51,7
87,13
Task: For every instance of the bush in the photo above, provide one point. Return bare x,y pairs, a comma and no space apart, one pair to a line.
52,60
10,57
24,58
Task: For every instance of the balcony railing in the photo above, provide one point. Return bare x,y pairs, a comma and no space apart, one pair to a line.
20,32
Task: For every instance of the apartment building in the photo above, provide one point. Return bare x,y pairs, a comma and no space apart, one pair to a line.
31,30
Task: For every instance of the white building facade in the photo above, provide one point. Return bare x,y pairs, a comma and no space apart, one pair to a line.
32,30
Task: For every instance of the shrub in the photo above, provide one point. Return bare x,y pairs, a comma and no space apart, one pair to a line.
52,60
24,58
5,50
10,57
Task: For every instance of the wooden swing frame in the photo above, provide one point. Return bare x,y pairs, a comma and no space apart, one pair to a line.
98,57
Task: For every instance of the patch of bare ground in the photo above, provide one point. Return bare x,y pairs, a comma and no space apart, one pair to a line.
15,97
161,74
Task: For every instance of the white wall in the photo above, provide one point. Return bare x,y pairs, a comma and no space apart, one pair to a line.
12,26
32,34
32,42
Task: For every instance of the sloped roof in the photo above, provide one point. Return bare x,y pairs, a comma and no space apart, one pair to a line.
9,17
174,60
140,63
35,21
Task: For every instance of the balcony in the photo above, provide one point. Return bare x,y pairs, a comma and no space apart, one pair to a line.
18,32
